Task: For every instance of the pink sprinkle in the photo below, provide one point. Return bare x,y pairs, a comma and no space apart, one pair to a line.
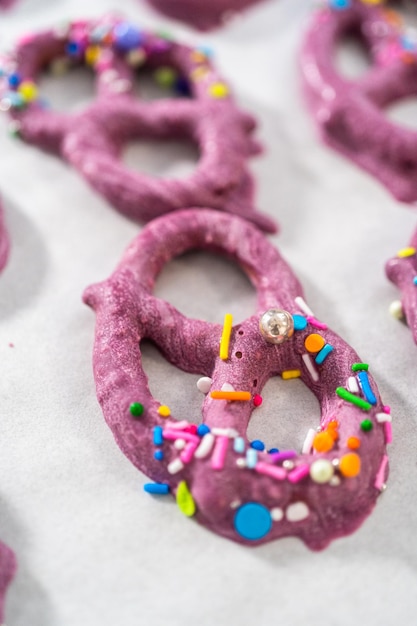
11,345
386,409
388,432
188,452
285,455
191,428
25,38
380,477
219,453
177,434
299,473
271,470
180,425
257,400
314,322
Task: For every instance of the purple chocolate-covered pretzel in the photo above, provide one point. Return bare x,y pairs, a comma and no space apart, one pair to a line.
92,140
7,571
402,271
350,113
202,15
4,240
231,486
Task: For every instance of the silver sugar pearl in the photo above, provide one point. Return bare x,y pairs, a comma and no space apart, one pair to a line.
276,326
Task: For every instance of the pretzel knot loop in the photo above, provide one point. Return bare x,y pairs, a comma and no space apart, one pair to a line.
237,490
351,113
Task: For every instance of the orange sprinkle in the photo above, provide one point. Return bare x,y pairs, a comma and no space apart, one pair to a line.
231,395
353,443
314,342
350,465
323,442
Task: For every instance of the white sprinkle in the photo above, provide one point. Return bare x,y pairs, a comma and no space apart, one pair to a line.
308,441
383,417
241,463
109,76
227,387
277,514
225,432
321,471
179,444
288,464
396,310
205,446
204,384
335,481
121,85
235,504
135,58
300,302
310,367
175,466
352,384
297,512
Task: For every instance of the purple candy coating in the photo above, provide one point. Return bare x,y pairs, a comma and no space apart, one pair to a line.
128,312
4,240
7,571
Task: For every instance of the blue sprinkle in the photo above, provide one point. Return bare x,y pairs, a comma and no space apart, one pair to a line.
206,50
340,4
127,36
14,80
158,437
408,44
252,521
273,451
15,98
156,488
239,445
251,458
202,430
300,322
73,48
257,444
415,280
158,455
324,353
366,387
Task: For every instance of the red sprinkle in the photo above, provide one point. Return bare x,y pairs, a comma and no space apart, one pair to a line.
192,428
257,400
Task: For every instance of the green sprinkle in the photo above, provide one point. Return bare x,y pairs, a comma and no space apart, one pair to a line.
165,76
349,397
136,409
366,426
360,367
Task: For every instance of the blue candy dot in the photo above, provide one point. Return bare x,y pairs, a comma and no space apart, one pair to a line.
273,451
340,4
73,48
252,521
127,36
202,430
300,322
156,488
415,280
257,444
158,455
14,80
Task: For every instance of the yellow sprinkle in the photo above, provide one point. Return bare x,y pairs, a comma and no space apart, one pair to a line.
406,252
164,410
219,90
28,90
288,374
92,54
231,395
185,500
225,340
373,2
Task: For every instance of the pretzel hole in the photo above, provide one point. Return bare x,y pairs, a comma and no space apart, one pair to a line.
205,286
352,55
160,82
170,385
287,412
160,158
403,112
71,91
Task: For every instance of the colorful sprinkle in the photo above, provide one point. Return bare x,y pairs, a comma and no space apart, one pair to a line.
352,384
297,512
321,471
158,455
252,521
251,458
380,477
314,342
231,395
284,455
316,323
159,489
308,441
366,426
406,252
383,417
359,367
187,454
175,466
185,500
388,432
271,470
349,397
219,453
136,409
165,76
28,91
158,437
350,465
126,36
239,445
323,442
323,354
164,410
300,302
366,387
310,367
257,400
257,444
353,443
204,383
218,90
289,374
299,473
300,322
205,446
202,429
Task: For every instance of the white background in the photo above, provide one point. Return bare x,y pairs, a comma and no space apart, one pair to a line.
93,549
